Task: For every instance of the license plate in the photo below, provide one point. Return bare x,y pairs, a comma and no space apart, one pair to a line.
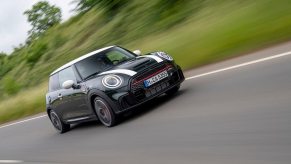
155,79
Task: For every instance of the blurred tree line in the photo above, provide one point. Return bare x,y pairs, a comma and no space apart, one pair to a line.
108,21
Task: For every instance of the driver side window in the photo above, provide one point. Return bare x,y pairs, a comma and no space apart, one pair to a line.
66,74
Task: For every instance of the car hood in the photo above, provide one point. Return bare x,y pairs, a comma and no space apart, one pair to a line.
137,64
134,66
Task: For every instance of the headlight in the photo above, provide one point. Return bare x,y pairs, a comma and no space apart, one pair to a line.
165,56
112,81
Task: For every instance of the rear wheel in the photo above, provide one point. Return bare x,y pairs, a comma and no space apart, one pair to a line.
59,125
173,90
104,112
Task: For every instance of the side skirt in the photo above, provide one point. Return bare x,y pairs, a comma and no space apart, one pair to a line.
81,119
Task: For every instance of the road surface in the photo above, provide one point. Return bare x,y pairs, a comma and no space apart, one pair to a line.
234,115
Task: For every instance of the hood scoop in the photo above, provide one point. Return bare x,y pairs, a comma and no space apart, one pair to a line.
137,65
144,65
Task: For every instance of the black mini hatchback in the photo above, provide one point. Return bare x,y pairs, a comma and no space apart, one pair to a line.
102,84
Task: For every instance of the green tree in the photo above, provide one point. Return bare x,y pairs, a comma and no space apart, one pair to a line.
111,6
42,16
85,5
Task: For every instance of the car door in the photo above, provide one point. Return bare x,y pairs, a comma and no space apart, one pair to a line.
73,101
52,98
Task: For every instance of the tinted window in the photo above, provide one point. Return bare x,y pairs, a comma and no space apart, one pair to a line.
102,61
66,74
54,82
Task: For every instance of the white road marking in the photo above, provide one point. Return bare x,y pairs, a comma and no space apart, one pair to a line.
241,65
19,122
189,78
10,161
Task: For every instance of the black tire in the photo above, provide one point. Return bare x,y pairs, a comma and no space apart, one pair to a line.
104,112
173,90
58,124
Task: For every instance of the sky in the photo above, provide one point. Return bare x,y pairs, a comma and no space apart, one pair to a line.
14,25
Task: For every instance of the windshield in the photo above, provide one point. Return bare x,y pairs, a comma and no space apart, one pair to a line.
102,61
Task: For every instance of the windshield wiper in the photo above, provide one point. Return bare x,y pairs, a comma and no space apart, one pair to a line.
92,75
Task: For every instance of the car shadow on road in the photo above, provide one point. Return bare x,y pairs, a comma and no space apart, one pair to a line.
85,125
135,113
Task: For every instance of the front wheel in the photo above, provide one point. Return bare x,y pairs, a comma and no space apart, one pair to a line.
59,125
104,112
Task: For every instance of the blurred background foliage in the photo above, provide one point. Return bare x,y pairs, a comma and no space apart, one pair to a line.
42,16
194,32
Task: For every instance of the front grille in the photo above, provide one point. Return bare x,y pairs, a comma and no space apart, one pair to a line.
156,88
137,81
137,86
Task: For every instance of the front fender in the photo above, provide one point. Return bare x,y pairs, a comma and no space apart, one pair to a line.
93,93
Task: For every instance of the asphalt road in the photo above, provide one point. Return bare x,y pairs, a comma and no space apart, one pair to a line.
237,116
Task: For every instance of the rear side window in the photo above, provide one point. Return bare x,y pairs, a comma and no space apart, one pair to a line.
66,74
54,82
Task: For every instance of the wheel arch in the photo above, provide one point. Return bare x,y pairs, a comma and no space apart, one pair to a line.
97,93
48,110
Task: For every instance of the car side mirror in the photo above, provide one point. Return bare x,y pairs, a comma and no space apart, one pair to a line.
68,84
137,52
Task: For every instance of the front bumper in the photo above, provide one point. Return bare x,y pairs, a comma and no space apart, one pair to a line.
139,94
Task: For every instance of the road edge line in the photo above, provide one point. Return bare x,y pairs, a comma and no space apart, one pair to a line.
241,65
19,122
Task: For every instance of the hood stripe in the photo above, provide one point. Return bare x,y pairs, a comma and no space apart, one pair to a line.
158,59
122,71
